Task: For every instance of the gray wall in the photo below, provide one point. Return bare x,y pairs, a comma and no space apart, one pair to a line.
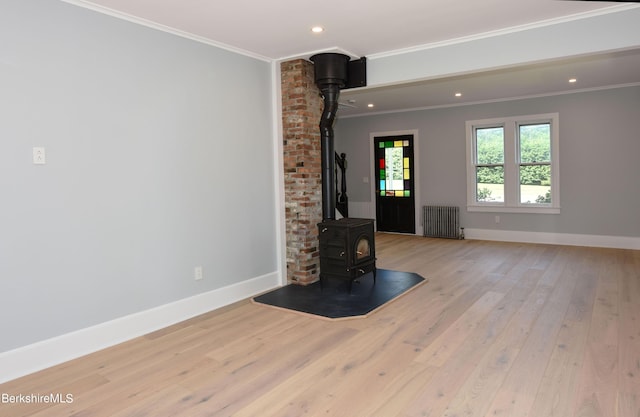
158,160
599,151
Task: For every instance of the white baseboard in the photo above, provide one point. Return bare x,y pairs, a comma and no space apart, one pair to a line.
600,241
41,355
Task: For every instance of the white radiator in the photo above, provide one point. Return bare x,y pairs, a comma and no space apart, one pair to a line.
441,221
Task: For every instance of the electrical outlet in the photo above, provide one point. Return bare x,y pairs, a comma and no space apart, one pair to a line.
497,219
39,157
197,273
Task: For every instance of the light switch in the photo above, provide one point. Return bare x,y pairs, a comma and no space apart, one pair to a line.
39,157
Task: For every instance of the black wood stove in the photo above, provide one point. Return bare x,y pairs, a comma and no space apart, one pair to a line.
347,249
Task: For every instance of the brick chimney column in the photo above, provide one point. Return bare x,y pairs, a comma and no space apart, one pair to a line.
301,112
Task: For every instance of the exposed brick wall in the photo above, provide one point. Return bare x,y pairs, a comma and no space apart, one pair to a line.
301,111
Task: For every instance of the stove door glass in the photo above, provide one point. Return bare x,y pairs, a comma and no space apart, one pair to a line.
363,249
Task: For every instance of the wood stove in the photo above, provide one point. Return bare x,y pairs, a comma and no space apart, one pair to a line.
347,249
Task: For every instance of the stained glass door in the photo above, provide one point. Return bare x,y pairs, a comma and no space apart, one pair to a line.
395,195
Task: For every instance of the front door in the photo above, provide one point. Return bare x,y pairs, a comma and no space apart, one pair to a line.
395,194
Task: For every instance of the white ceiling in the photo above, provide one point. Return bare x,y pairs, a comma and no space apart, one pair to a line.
281,29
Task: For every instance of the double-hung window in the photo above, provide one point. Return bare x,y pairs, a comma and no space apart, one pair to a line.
512,164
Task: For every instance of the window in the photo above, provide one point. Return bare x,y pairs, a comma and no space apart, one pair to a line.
512,164
394,161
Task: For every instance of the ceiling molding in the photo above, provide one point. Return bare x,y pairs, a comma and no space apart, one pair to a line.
506,31
157,26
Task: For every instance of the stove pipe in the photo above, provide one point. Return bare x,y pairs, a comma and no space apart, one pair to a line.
331,71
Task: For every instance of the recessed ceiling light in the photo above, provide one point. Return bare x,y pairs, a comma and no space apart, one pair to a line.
458,94
573,80
370,105
317,29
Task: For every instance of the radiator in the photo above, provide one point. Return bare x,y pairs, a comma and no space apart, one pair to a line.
441,221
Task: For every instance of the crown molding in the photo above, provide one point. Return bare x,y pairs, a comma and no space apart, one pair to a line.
505,31
157,26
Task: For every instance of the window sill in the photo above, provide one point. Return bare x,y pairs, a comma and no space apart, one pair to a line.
517,209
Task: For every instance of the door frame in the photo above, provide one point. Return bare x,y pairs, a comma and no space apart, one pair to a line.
416,173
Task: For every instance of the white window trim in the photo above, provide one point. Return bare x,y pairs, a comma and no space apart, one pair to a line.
511,172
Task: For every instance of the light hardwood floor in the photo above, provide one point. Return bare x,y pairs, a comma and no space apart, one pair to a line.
500,329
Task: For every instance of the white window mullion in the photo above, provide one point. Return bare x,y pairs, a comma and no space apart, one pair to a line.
511,174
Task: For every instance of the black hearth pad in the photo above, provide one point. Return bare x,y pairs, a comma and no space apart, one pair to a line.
334,301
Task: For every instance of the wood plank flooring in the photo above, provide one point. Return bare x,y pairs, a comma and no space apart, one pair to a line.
500,329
